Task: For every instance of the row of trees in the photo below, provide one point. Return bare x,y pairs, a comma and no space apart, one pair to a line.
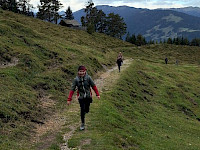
183,41
138,40
48,9
22,6
97,21
94,20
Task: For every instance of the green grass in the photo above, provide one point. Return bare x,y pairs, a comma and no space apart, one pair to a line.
49,56
153,106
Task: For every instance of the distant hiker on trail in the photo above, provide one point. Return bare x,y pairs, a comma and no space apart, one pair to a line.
176,62
83,82
166,60
119,60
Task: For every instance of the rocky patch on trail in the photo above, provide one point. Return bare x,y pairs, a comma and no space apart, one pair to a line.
5,64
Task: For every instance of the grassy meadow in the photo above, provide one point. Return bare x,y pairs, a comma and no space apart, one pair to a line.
152,106
48,57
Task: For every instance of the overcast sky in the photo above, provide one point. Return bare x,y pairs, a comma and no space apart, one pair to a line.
150,4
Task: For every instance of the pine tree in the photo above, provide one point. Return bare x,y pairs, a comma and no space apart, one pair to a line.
88,10
91,28
186,41
44,12
48,10
128,37
25,7
83,21
89,18
69,14
140,40
169,41
133,39
97,21
116,26
195,42
55,7
152,42
100,21
10,5
177,41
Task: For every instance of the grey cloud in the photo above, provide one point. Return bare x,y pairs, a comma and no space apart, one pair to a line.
123,1
153,2
182,2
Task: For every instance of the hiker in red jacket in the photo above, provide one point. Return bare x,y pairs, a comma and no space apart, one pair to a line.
83,82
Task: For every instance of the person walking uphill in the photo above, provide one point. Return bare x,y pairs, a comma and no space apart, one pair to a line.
83,82
119,60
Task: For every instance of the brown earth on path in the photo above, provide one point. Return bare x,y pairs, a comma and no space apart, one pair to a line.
45,134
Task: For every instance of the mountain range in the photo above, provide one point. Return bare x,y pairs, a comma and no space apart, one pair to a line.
157,24
194,11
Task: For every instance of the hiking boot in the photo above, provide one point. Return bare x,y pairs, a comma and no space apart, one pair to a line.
82,126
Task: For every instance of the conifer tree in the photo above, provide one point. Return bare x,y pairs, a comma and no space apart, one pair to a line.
89,18
97,21
55,7
140,40
90,28
100,21
127,37
133,39
195,42
152,42
10,5
25,7
169,41
44,12
116,26
48,10
69,14
186,41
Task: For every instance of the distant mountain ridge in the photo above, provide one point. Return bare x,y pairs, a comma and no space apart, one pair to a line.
193,11
158,24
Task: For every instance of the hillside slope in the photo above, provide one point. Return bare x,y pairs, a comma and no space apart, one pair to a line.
193,11
151,106
38,60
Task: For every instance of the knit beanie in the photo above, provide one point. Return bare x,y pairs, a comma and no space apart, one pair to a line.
82,68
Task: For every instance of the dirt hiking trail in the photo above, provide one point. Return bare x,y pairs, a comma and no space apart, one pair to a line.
103,83
68,121
13,62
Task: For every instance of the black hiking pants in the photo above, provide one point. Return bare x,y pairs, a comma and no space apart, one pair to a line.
85,107
119,65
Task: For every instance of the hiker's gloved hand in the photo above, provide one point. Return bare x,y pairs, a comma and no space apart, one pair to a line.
68,103
98,97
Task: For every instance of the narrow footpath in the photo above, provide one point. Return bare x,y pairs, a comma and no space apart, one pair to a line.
103,83
68,120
